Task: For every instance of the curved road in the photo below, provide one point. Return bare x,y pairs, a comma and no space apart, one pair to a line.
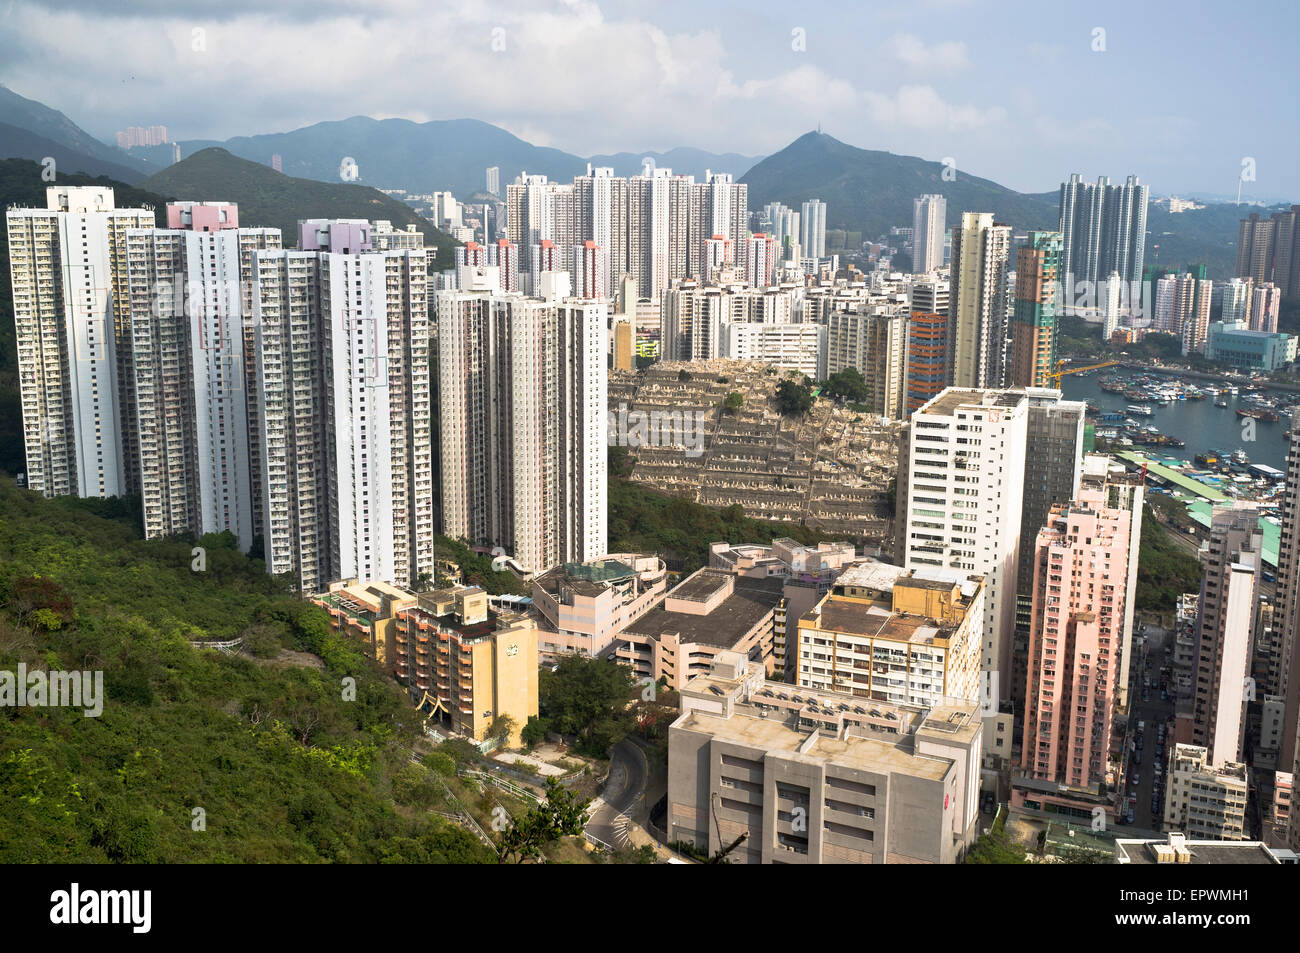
628,771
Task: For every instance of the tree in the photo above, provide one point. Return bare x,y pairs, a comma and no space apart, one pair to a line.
683,375
849,384
502,727
590,698
794,398
561,815
534,732
733,403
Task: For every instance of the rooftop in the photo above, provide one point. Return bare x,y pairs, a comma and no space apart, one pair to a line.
726,624
953,399
774,736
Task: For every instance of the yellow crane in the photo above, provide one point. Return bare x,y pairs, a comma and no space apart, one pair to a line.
1058,373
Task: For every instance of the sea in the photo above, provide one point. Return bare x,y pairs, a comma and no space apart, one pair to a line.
1200,424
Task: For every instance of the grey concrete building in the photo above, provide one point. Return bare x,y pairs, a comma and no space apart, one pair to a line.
792,776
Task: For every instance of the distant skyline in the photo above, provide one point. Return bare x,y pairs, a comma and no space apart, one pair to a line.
1012,91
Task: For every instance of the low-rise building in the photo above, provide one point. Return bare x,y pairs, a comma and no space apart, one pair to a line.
365,611
1177,848
1202,800
806,572
1247,350
460,660
793,776
708,612
582,607
904,636
466,664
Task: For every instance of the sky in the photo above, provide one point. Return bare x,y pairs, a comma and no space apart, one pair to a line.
1179,93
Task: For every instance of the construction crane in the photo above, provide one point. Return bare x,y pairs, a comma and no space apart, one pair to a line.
1058,373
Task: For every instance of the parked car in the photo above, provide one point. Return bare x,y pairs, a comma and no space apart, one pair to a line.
1130,815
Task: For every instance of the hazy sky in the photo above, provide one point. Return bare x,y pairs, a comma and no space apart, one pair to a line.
1013,91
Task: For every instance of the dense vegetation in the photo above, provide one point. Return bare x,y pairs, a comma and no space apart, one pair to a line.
996,847
794,398
287,760
1165,570
588,699
848,383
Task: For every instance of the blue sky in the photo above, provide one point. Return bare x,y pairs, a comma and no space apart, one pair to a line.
1012,91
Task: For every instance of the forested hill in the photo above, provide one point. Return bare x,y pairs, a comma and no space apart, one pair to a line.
197,756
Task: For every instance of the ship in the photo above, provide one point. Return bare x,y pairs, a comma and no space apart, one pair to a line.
1143,410
1258,413
1220,403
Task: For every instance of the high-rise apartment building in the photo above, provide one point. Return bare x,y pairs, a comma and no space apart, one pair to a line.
1237,295
1255,248
189,288
493,180
962,476
72,324
929,224
929,295
1228,603
978,306
927,358
590,271
1035,319
1265,306
761,266
1080,604
874,343
521,397
813,224
345,412
1103,229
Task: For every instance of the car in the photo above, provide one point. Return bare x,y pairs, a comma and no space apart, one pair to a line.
1130,815
1137,756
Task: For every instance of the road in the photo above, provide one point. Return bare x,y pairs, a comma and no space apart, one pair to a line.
628,771
1152,660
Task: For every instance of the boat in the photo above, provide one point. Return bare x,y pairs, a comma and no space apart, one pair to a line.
1239,457
1143,410
1220,403
1258,413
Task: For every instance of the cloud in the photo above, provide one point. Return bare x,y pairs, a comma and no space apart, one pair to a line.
911,51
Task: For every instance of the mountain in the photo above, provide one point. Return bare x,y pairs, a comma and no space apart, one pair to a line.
870,191
51,124
682,160
444,155
267,198
16,143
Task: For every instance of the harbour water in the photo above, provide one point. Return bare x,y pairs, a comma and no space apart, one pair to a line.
1203,426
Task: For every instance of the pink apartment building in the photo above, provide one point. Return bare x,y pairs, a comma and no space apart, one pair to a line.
1082,559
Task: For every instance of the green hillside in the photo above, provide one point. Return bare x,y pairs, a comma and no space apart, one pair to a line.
869,191
284,767
269,199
